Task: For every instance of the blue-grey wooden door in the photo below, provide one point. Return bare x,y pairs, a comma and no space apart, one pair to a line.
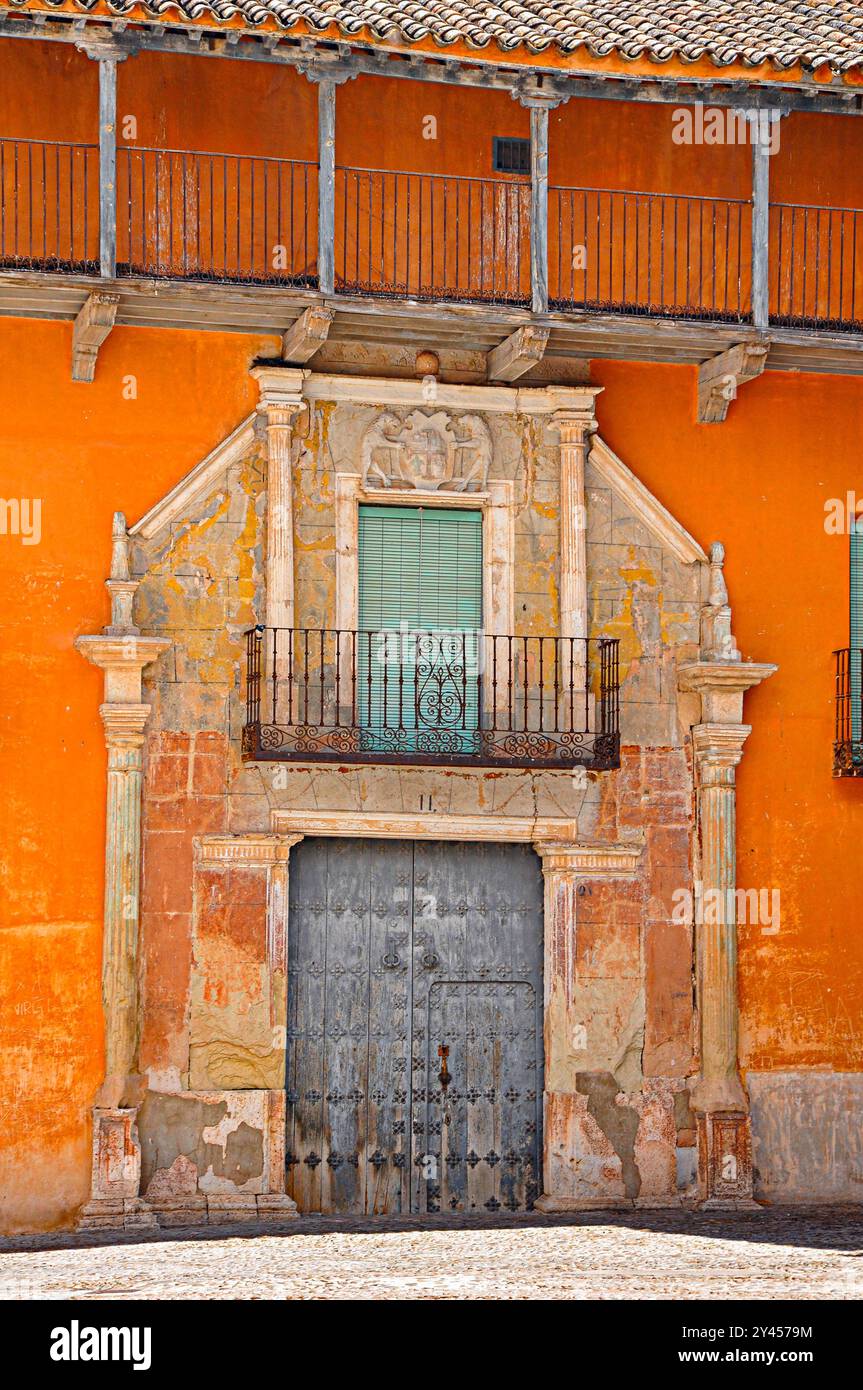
404,956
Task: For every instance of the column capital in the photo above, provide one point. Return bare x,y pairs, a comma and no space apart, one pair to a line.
589,860
574,426
722,685
102,49
251,851
719,745
122,658
537,100
124,725
281,393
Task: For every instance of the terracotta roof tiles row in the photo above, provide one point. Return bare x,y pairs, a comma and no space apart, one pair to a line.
783,33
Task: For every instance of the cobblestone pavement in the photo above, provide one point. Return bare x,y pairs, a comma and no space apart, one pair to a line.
799,1254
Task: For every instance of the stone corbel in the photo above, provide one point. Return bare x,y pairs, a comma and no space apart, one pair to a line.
720,678
92,326
719,378
281,399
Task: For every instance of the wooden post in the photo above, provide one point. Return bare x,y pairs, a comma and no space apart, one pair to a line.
326,184
760,226
108,166
539,207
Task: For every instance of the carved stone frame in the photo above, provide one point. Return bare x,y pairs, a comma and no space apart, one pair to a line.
564,860
497,504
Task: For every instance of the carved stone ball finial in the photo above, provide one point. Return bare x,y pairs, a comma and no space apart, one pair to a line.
427,363
717,594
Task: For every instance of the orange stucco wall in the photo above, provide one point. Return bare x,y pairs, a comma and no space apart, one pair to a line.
758,482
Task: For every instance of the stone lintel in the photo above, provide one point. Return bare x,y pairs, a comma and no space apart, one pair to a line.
400,825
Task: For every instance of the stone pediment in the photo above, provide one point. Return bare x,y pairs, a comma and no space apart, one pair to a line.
428,452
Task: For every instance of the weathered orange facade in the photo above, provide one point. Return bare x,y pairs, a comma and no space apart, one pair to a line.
164,397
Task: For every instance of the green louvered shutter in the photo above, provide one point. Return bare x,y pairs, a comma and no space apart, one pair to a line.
420,571
856,635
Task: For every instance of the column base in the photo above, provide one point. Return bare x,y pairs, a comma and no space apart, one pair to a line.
134,1214
118,1214
729,1204
725,1161
551,1204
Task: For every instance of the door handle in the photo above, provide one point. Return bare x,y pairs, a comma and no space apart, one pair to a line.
443,1075
430,960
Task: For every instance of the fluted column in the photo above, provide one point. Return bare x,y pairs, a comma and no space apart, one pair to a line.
718,749
121,653
575,429
280,401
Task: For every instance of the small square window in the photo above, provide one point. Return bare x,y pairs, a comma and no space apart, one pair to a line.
510,156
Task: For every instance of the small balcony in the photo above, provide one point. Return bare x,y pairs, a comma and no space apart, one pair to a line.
450,698
848,736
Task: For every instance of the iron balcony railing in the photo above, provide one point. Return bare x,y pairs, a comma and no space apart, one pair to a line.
817,258
848,732
218,217
650,253
49,206
432,236
412,696
192,215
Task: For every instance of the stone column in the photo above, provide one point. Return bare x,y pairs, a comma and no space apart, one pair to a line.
122,653
718,1097
575,429
280,401
564,867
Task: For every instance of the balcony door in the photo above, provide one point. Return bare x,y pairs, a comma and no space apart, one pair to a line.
420,617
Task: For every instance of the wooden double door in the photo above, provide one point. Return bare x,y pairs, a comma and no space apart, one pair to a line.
414,1063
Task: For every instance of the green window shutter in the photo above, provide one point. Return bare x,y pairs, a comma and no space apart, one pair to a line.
420,571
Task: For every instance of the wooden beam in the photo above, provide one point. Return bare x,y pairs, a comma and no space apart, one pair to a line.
445,68
719,379
107,166
539,208
760,227
307,334
326,185
517,353
92,326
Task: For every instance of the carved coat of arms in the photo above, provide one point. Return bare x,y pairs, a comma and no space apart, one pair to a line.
429,453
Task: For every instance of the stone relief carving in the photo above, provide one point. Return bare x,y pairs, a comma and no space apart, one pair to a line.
427,452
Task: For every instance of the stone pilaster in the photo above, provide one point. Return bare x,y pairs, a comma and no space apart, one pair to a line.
574,428
121,653
280,401
564,869
718,1097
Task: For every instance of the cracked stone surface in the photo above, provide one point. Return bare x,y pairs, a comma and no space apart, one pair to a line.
778,1253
